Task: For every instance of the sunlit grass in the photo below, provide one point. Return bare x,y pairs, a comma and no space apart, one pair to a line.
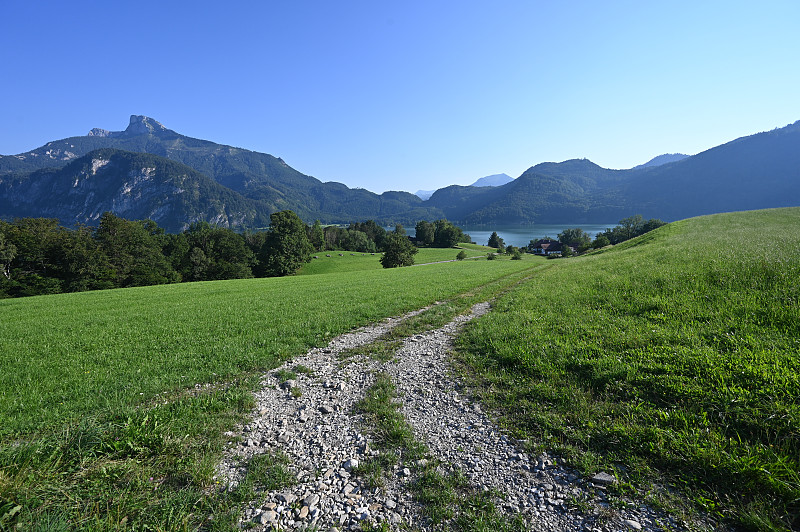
674,355
476,247
114,404
348,261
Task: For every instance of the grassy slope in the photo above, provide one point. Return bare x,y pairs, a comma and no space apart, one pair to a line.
675,354
476,247
67,355
351,262
104,420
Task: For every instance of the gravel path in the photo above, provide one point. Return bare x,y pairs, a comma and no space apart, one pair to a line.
322,436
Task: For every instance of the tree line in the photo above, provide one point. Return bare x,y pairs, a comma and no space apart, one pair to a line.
39,256
580,240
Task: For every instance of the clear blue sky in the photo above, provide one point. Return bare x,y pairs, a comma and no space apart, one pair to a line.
406,95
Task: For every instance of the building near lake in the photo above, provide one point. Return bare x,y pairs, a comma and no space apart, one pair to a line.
546,246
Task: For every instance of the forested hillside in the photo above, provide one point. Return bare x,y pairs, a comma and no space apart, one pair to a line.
250,175
234,187
132,185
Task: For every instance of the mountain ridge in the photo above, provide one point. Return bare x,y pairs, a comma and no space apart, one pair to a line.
131,185
751,172
257,176
665,158
494,180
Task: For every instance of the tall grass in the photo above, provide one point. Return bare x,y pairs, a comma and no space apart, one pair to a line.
672,357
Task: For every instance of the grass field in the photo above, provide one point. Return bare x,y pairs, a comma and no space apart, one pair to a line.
113,404
671,359
476,247
347,261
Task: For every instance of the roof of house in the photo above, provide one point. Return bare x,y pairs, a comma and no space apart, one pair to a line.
548,245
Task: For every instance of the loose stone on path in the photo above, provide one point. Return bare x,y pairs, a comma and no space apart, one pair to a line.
320,432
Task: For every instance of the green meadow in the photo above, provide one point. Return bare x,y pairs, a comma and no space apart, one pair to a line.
114,404
348,261
65,356
671,360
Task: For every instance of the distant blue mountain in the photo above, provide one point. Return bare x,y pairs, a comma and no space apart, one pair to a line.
153,172
662,159
496,180
755,172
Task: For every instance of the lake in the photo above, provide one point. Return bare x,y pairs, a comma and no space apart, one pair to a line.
521,235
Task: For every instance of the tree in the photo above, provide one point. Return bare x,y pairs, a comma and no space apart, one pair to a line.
516,255
566,251
490,256
230,256
575,237
398,251
652,223
495,241
446,235
461,255
374,232
426,232
198,264
86,266
7,253
399,229
134,251
36,241
317,236
332,234
631,226
286,247
600,241
353,240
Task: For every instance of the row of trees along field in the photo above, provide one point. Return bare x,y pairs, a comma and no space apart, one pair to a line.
38,256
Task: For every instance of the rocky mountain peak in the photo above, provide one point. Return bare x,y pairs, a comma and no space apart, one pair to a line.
98,132
143,125
139,125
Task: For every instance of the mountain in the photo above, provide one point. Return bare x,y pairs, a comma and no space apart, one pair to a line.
494,180
662,159
754,172
149,171
551,192
261,177
135,186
